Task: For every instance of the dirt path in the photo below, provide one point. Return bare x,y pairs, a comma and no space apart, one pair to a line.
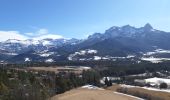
86,94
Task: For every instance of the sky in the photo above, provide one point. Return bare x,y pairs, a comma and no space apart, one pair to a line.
23,19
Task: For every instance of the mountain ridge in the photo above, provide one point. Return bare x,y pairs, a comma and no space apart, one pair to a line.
114,42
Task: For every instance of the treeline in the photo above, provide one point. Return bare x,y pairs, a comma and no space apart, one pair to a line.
132,69
23,85
105,68
116,65
70,81
71,63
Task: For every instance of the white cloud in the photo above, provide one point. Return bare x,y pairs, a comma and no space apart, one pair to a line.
51,36
43,34
88,34
38,35
40,32
29,34
5,35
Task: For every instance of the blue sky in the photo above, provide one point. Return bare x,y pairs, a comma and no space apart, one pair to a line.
79,18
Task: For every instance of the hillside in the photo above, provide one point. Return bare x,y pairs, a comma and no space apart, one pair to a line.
88,94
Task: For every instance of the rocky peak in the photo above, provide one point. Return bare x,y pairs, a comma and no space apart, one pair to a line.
148,27
95,35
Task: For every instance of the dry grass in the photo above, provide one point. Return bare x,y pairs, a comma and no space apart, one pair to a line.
163,95
114,87
86,94
77,70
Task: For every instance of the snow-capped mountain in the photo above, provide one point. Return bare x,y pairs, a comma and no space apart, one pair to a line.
126,31
116,43
122,42
42,48
19,46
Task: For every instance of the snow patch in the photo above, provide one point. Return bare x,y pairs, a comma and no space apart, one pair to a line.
97,58
92,51
147,88
46,43
155,60
130,56
49,60
127,86
27,59
157,51
12,54
157,80
46,54
154,89
81,53
129,96
91,87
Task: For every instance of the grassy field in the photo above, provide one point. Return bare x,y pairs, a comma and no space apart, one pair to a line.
55,69
162,95
87,94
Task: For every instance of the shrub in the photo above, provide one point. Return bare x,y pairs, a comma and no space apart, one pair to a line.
163,86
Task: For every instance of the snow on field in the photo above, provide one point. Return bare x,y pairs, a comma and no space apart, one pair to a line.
147,88
118,57
157,51
92,87
162,51
157,80
49,60
27,59
105,58
127,86
149,53
70,57
129,96
97,58
154,60
130,56
86,68
82,59
144,74
90,54
155,89
13,54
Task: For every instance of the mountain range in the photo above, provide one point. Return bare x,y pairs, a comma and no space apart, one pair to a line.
116,43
